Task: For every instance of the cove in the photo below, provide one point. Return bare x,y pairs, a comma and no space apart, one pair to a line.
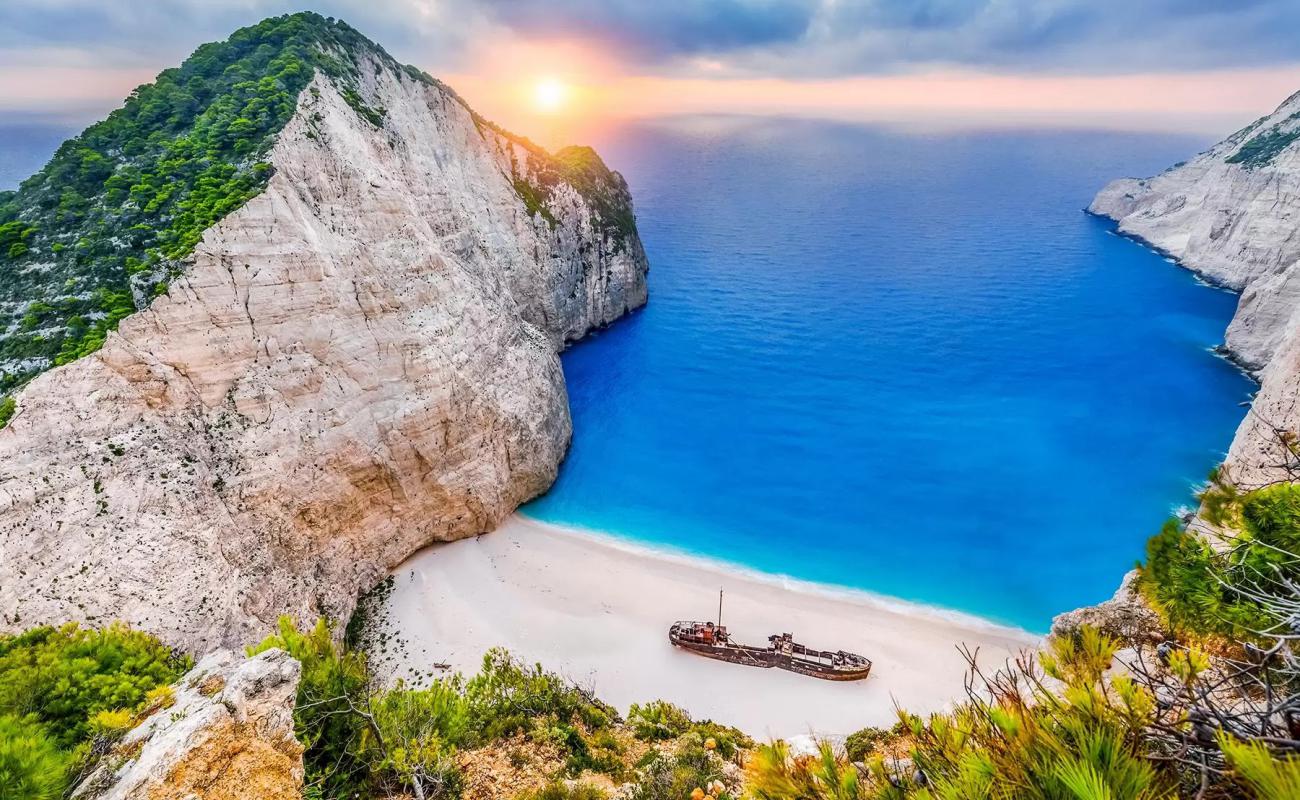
895,361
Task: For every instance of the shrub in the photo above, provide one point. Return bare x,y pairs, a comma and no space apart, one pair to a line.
564,791
64,676
1200,590
414,738
1260,771
677,774
507,697
658,720
775,774
111,725
31,765
333,688
861,743
1018,739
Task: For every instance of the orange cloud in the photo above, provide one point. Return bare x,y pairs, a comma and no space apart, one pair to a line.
1210,102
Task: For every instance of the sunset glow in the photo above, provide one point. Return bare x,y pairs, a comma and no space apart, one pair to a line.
550,95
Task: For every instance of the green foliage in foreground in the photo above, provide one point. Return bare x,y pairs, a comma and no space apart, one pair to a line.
1209,592
333,688
1263,773
1066,728
124,201
7,407
1029,741
362,740
562,791
63,676
60,689
32,767
692,765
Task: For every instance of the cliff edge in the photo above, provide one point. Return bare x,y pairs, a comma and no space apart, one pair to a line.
359,360
1232,214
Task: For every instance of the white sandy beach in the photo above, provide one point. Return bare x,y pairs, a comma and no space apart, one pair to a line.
597,610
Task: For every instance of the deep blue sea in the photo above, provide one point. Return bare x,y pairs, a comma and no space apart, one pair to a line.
901,362
907,363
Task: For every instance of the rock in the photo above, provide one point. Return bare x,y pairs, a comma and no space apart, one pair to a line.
1127,616
229,736
358,362
1232,214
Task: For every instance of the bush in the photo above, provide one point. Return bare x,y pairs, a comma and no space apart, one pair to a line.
564,791
32,767
334,686
507,697
691,766
1200,590
860,744
658,720
65,676
414,739
1024,741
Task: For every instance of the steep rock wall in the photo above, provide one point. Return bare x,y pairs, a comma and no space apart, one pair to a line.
359,361
227,735
1232,214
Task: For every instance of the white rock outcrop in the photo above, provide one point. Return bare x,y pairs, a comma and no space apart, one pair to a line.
228,735
358,362
1232,214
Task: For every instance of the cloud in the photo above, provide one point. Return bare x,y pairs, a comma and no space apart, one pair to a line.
764,38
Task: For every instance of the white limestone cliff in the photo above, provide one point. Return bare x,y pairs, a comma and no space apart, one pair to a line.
1232,214
358,362
226,734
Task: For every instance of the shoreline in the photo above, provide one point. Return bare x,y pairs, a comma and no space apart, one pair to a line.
596,609
724,568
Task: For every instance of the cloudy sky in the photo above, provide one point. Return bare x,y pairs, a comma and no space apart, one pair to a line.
1203,62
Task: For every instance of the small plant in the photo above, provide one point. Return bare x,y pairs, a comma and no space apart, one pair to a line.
658,720
111,725
565,791
679,773
861,743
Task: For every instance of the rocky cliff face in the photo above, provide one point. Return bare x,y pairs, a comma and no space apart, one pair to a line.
359,361
1232,214
228,735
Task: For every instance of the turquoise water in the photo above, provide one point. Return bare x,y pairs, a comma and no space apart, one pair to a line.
906,363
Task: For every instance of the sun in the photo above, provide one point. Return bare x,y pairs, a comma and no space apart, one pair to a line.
550,95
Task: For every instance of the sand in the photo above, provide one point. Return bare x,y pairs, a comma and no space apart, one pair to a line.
597,610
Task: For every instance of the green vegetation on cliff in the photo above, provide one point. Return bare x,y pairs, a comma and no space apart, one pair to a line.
365,741
101,229
108,222
65,690
1261,148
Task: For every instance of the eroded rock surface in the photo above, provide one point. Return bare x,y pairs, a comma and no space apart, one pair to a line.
358,362
1232,214
1127,616
228,736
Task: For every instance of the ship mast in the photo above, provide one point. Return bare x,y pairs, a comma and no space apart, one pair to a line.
719,607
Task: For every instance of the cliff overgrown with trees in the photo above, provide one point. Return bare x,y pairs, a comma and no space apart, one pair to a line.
106,223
